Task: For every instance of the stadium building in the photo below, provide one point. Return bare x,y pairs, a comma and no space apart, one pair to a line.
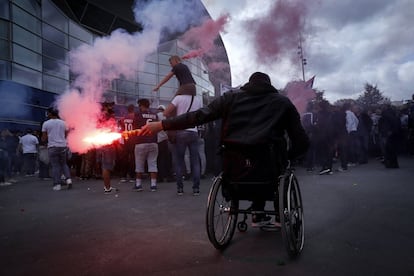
37,35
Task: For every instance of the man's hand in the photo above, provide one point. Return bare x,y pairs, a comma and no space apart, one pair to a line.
151,128
156,89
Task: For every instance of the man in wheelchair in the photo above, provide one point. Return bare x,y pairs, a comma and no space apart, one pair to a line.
250,172
256,120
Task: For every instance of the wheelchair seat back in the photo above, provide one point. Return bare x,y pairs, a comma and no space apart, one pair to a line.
252,171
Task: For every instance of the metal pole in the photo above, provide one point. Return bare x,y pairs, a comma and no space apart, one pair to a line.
302,59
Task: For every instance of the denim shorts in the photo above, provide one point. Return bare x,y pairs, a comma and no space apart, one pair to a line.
147,152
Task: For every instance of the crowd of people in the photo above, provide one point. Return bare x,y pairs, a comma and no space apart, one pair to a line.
340,137
351,135
39,153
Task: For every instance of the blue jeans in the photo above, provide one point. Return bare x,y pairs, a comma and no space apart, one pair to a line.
58,162
187,139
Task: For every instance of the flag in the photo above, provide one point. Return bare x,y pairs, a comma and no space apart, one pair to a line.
309,83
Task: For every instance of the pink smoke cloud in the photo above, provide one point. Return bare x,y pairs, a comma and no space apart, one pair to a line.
122,54
300,94
203,37
95,67
217,66
277,34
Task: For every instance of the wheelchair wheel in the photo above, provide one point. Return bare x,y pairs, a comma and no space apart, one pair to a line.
221,217
291,214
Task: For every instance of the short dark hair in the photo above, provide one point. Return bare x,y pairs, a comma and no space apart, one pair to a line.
131,108
144,102
259,77
53,111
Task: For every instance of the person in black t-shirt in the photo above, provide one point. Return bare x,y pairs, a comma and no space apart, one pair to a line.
183,75
146,147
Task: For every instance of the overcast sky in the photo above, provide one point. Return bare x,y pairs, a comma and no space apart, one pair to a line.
346,44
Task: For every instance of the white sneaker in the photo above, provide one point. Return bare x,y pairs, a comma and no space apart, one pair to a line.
5,183
57,187
69,182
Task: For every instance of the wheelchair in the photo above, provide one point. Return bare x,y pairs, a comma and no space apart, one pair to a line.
252,173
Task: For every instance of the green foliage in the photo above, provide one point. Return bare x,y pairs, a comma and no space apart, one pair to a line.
342,101
371,96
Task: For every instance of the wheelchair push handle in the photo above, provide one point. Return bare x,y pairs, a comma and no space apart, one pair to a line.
289,166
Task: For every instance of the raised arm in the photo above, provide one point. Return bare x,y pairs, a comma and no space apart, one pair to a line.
164,80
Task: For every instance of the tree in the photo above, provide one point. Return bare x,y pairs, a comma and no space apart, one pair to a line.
341,102
371,97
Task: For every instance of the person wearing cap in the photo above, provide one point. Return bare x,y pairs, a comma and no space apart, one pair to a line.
164,153
185,139
254,115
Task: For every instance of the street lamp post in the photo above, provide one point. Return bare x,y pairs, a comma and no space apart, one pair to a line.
303,61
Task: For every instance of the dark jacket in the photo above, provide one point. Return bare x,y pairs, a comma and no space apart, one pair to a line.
257,114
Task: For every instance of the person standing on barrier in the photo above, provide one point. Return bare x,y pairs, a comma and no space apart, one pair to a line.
257,114
183,75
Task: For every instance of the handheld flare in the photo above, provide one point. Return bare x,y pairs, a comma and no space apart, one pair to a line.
129,133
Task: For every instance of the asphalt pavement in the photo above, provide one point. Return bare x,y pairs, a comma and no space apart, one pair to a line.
359,222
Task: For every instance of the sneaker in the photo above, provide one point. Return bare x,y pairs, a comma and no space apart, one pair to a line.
69,183
123,180
138,188
260,220
180,191
196,192
107,191
153,188
186,176
57,187
340,169
5,183
325,171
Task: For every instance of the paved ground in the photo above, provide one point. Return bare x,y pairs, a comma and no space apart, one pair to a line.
357,223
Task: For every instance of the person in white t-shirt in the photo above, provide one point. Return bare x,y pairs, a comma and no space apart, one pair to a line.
54,131
29,146
186,138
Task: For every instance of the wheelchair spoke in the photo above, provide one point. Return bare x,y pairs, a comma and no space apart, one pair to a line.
221,221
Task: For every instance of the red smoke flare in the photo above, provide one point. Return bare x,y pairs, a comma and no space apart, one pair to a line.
101,137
